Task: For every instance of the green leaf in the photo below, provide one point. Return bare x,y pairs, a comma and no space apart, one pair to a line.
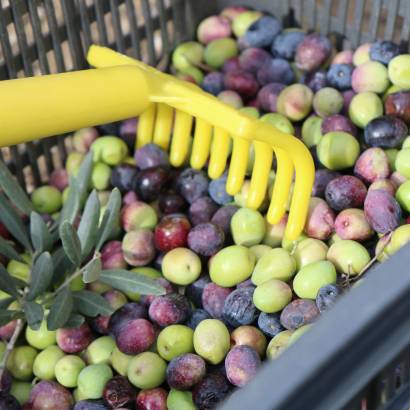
71,243
60,310
40,235
110,218
62,265
71,206
133,282
6,316
91,304
7,282
75,320
14,191
34,314
8,251
6,302
92,270
84,175
12,220
41,275
87,230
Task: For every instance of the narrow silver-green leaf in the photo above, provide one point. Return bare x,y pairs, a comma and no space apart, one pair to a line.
60,310
6,316
75,320
34,314
71,242
71,206
12,220
41,275
134,282
39,233
14,191
7,282
8,251
87,230
6,302
62,265
91,304
92,270
84,175
110,218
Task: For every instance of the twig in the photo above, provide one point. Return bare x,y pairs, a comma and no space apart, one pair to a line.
10,345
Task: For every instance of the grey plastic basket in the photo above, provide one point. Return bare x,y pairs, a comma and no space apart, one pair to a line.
358,355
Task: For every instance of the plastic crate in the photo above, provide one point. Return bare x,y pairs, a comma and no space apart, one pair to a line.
355,357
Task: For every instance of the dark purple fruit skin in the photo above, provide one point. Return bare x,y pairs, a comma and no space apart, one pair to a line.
118,392
246,284
192,184
386,132
171,203
5,382
298,313
278,70
206,239
135,336
213,299
74,340
169,309
339,76
338,122
286,43
312,52
197,316
327,297
217,190
129,311
122,177
50,395
243,82
90,405
146,300
151,155
268,96
213,83
149,182
322,178
222,217
128,131
315,80
269,324
184,371
241,364
251,59
384,51
9,402
398,105
239,308
263,31
345,192
211,391
194,290
202,210
382,211
151,399
231,64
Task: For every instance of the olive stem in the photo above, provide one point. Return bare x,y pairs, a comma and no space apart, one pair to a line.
10,345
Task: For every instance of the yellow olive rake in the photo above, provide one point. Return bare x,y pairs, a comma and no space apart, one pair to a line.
122,87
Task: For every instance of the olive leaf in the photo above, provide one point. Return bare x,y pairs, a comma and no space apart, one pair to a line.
71,242
12,221
75,320
6,316
110,218
34,314
62,265
39,233
60,310
71,206
87,230
8,251
134,282
6,302
91,303
84,175
41,275
14,191
7,282
92,270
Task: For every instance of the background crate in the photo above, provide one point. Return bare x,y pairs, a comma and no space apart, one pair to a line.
355,357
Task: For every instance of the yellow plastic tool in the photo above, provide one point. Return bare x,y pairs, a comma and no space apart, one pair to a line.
122,87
